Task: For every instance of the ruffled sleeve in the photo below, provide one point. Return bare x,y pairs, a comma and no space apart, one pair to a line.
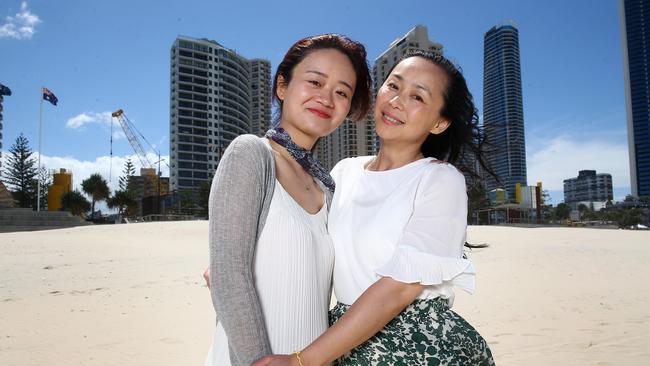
430,249
409,265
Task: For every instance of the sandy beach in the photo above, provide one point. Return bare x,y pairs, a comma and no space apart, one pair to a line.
133,295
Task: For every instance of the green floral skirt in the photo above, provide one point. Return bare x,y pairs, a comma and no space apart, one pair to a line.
427,332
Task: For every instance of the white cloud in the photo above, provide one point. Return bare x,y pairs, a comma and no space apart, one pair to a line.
82,169
561,157
79,120
85,118
104,119
20,26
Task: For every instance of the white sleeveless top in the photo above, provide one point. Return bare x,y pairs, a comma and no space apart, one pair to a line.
294,260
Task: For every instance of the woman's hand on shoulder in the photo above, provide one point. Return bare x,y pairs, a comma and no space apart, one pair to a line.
277,360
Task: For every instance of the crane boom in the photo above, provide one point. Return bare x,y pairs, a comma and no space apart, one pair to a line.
133,139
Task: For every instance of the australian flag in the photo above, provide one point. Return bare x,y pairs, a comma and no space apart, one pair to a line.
49,96
4,90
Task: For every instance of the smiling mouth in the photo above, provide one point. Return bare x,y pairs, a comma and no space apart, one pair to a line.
391,120
319,113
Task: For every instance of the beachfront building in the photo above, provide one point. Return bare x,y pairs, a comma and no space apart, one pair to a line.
497,196
260,96
216,95
588,188
529,202
526,207
529,197
635,24
148,185
503,116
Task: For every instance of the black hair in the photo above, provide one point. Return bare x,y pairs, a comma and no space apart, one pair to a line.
463,142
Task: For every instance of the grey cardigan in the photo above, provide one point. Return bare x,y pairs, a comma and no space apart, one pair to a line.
240,198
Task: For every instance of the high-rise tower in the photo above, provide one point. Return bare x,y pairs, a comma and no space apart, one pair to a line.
636,54
503,115
260,96
216,95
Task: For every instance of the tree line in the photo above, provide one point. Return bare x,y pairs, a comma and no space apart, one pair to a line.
21,176
628,214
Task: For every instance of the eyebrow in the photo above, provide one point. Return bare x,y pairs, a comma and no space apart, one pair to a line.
325,75
417,85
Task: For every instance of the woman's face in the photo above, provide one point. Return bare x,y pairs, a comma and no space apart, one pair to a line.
408,104
318,97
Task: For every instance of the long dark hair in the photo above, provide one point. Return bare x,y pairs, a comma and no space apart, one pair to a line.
355,51
462,143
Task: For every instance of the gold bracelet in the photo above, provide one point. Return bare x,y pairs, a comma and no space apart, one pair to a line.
297,354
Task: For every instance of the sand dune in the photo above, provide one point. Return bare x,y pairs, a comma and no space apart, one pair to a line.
133,295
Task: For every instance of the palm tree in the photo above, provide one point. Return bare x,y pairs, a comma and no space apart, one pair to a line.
125,201
97,188
75,202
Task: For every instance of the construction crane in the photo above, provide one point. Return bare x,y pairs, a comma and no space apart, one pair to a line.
130,131
128,127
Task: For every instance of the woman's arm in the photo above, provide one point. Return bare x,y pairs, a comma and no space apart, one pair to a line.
375,308
428,253
236,203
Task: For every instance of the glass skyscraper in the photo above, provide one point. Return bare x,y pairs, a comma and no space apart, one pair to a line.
636,51
503,115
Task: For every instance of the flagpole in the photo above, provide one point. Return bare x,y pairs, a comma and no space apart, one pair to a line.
38,178
110,171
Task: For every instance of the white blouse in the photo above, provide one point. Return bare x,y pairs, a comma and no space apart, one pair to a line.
407,223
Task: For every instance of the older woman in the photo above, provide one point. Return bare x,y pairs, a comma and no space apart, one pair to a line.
398,223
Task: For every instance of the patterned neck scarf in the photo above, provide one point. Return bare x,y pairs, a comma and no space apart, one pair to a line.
303,156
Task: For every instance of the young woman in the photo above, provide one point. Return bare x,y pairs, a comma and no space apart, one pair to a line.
271,258
398,223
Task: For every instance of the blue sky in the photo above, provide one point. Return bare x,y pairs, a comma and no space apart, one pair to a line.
98,56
